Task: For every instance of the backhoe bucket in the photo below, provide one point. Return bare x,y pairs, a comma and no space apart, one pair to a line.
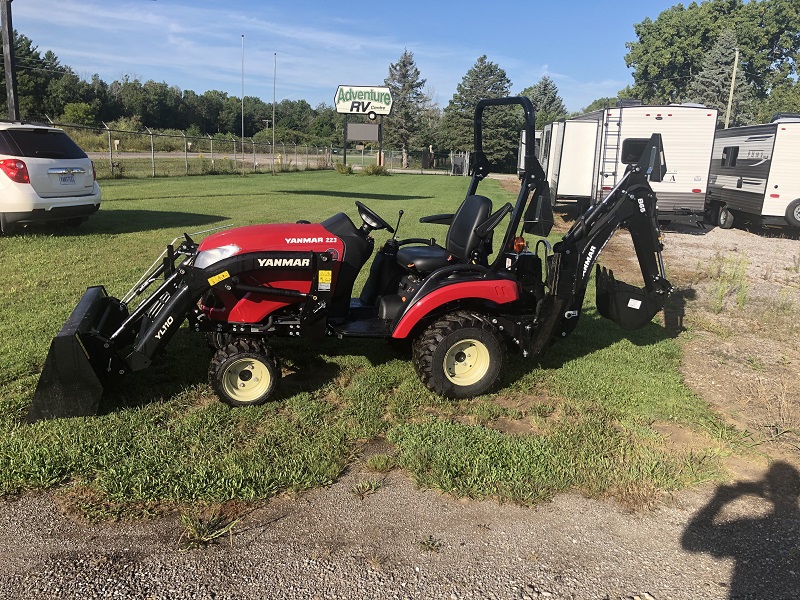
71,381
628,306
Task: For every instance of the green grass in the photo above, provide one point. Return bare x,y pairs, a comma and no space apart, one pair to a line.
583,412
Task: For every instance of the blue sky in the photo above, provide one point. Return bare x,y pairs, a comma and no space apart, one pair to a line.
197,45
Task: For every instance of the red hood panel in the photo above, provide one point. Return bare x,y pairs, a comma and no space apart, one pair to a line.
276,237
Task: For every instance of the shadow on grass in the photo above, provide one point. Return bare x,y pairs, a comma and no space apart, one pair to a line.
594,333
128,221
131,221
185,365
354,195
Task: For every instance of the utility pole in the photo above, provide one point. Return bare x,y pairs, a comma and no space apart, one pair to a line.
733,83
8,61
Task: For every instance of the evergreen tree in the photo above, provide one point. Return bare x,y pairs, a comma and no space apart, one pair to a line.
403,126
549,106
712,85
501,125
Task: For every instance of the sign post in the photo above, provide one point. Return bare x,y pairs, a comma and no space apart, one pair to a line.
363,100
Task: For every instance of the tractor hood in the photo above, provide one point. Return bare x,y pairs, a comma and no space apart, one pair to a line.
277,237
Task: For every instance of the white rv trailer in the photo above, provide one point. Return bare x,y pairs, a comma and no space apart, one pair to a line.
595,149
550,152
754,174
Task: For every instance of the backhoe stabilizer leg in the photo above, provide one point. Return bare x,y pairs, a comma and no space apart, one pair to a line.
628,306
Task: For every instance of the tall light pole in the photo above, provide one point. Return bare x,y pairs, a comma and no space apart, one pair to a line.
274,76
242,104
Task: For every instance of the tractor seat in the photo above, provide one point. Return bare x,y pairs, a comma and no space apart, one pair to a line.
425,259
462,240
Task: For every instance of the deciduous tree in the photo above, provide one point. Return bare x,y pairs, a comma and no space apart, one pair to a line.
669,50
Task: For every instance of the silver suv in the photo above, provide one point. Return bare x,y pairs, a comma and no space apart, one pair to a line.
45,177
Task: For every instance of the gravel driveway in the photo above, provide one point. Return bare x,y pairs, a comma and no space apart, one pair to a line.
740,540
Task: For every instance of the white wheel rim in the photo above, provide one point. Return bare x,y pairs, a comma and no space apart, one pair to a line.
246,379
466,362
797,212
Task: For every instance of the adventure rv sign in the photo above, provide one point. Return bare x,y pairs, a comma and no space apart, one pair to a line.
369,101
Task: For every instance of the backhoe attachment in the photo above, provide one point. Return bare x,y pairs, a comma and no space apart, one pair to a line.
631,204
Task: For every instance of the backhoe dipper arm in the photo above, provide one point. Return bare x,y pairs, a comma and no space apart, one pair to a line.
631,203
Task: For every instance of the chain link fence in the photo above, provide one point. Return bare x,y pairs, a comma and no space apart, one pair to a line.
135,154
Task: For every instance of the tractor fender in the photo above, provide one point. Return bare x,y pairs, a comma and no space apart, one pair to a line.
499,291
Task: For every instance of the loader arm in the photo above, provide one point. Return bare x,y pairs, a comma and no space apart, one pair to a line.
632,204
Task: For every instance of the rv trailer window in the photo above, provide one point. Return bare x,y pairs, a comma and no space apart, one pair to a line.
729,156
632,149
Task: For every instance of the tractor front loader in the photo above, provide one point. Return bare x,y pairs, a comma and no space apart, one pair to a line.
461,304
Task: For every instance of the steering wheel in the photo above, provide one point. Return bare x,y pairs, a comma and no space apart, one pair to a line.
371,219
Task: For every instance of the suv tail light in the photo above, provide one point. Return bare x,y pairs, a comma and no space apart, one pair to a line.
94,171
16,170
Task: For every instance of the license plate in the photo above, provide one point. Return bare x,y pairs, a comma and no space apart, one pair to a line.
67,179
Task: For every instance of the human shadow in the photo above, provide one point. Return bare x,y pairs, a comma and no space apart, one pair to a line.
766,548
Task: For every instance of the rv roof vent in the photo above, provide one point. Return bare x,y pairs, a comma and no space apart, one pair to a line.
690,104
628,102
785,118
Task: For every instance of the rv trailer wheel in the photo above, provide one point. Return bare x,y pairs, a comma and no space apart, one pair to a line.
724,218
243,373
459,356
793,213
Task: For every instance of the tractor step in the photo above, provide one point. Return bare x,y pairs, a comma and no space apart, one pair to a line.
366,328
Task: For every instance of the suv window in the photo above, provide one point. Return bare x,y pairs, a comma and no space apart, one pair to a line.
39,143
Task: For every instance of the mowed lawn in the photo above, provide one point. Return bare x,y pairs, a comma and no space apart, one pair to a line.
583,417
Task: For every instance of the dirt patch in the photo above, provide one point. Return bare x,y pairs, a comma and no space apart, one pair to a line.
735,313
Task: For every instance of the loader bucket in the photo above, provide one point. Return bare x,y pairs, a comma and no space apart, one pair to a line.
71,381
628,306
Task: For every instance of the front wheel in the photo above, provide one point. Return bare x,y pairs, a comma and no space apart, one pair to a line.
459,356
244,373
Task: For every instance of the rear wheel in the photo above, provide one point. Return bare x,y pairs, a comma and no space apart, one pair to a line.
724,218
459,356
244,373
793,213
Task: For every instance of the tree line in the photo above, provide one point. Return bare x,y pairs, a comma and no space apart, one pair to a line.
686,54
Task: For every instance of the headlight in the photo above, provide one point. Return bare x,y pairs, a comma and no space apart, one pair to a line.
206,258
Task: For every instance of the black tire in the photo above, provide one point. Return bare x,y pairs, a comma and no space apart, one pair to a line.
244,373
218,341
793,213
724,218
459,356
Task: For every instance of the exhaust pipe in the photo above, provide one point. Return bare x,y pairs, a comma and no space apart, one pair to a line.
71,383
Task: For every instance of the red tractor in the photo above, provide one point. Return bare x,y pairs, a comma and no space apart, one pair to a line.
461,305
